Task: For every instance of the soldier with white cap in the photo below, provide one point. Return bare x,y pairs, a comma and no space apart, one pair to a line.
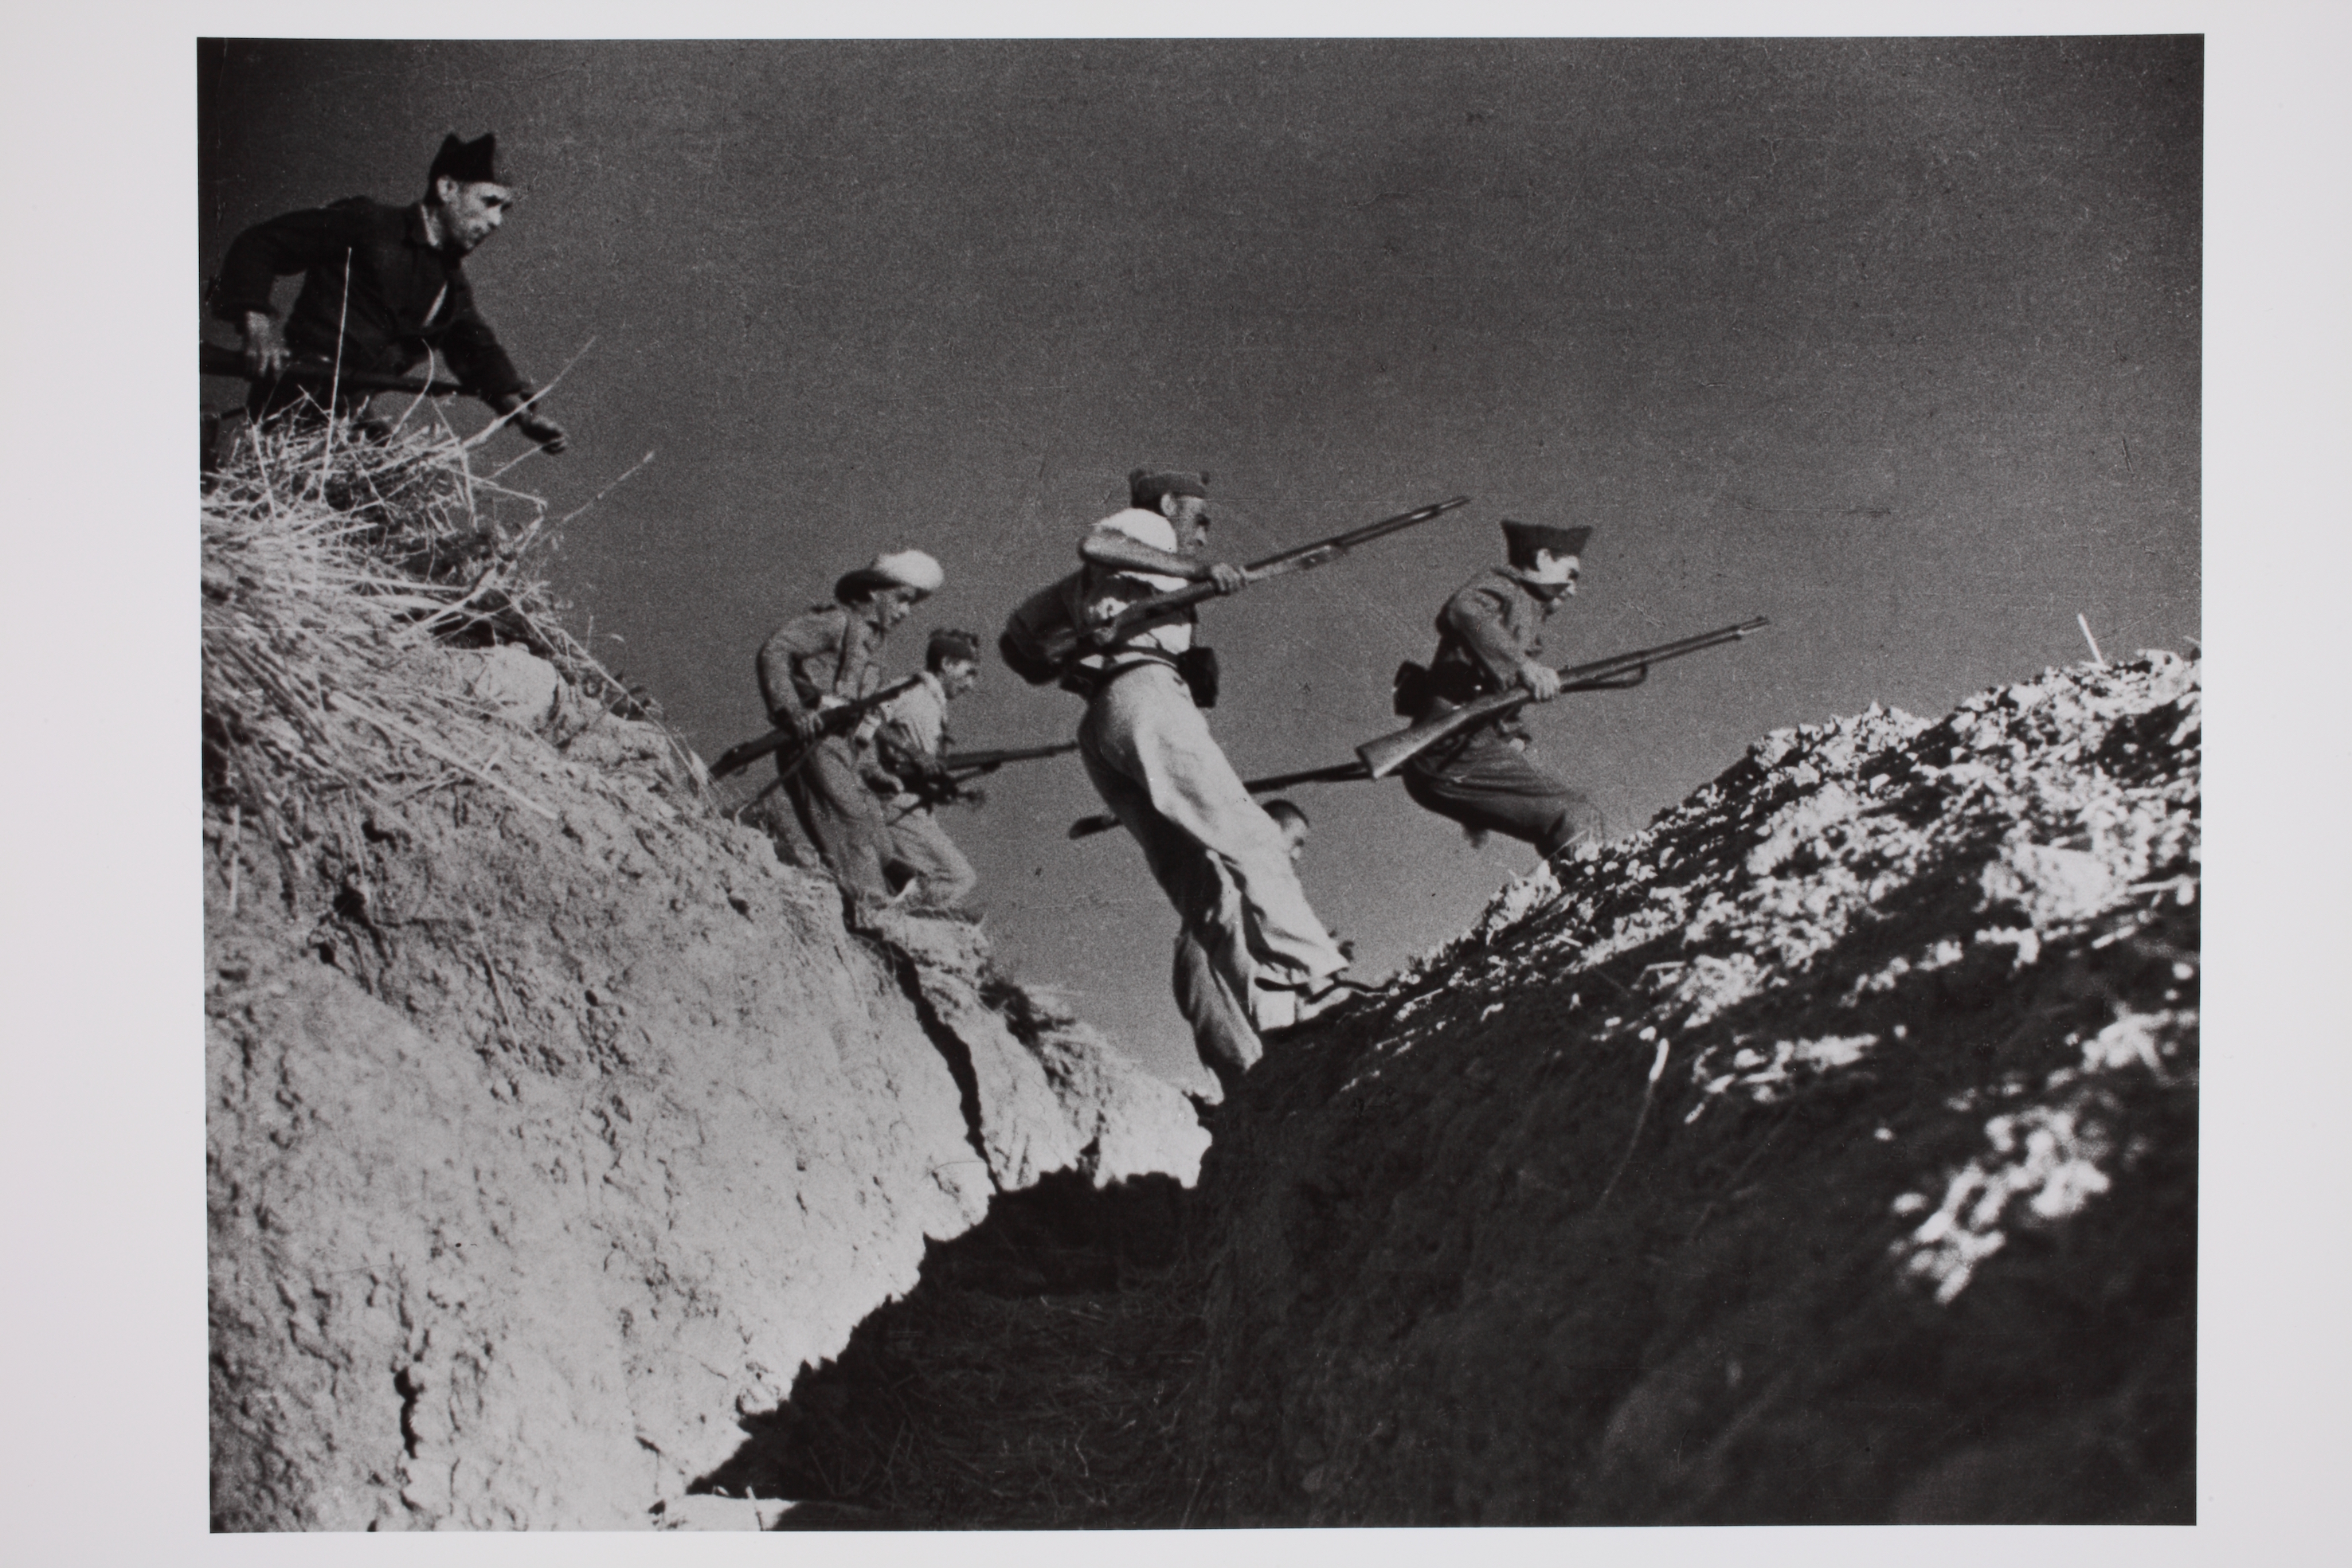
1222,861
830,656
1489,635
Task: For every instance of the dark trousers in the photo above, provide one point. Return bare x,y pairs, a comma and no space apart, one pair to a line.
843,819
1491,785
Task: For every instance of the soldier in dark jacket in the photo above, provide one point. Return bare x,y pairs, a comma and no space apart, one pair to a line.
830,656
407,292
1489,635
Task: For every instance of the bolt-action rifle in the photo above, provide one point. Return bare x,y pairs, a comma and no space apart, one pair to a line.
1337,773
959,768
1060,644
223,361
1383,756
839,719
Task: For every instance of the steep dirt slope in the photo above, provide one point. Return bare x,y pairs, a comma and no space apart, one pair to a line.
1824,1153
553,1124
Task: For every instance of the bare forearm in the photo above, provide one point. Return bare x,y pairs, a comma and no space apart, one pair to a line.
1122,554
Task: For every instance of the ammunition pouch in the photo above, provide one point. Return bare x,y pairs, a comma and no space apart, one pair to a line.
1197,668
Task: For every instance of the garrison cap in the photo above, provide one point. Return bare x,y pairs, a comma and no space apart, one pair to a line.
1145,486
1521,540
895,568
467,162
949,643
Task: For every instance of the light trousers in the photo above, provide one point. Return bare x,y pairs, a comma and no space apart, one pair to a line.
1221,860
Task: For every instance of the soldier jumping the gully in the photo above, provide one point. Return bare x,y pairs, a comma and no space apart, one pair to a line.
1489,637
1223,862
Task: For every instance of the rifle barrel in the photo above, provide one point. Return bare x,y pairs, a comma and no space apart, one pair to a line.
1391,752
1295,559
981,760
1337,773
751,751
215,360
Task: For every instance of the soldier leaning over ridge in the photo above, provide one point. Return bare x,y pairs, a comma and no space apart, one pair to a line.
1489,635
1222,863
830,656
914,783
407,294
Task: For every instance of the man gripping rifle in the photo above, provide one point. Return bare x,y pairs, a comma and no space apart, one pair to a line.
826,658
1489,639
913,781
1220,859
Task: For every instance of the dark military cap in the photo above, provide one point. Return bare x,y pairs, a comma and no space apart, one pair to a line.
948,643
467,162
1145,486
1521,540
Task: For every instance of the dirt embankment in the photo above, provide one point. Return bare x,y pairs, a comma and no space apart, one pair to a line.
1825,1153
553,1124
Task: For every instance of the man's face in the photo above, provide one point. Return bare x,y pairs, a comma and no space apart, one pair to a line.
1557,571
958,677
470,212
1294,837
1190,513
893,605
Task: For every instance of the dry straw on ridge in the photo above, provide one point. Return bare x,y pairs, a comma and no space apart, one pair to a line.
333,560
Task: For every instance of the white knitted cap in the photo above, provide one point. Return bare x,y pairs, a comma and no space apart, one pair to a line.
910,568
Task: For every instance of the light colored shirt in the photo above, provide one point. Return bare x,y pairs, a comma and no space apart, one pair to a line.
922,708
1106,590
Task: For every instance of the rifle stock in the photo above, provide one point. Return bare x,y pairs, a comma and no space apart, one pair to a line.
834,721
1389,752
1337,773
216,361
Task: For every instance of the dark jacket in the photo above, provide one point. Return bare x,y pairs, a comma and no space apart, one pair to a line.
1492,625
405,298
832,650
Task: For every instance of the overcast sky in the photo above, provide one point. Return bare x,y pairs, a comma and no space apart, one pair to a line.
1894,342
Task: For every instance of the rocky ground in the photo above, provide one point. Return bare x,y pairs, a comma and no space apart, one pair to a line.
1825,1153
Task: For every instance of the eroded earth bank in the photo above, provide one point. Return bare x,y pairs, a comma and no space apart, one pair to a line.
554,1124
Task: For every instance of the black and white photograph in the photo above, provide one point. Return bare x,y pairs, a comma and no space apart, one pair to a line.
1152,783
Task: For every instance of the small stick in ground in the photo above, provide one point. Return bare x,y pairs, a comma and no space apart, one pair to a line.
2096,657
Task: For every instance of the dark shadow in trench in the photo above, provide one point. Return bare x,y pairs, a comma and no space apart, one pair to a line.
988,1395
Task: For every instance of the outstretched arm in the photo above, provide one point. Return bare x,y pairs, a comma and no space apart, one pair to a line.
1109,548
473,351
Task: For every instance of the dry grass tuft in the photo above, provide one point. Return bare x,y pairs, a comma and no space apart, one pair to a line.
332,556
